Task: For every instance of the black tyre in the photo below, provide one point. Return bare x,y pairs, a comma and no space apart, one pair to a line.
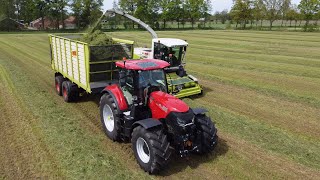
151,148
70,91
58,84
209,138
109,115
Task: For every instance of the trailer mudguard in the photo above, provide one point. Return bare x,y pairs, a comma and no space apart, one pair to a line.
147,123
197,111
115,91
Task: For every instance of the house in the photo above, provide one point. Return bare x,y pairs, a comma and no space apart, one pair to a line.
70,23
9,24
48,24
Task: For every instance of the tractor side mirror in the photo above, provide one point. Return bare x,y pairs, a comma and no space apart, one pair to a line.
185,48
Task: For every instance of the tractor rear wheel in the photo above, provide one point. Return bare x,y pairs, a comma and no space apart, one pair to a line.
58,80
109,115
151,148
209,138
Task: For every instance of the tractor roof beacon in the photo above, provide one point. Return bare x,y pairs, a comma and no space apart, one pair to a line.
138,108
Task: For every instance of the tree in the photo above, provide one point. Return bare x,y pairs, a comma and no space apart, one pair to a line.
216,16
58,12
206,11
258,11
241,12
87,11
193,8
293,15
284,9
42,8
166,7
128,6
7,8
147,10
27,10
224,16
77,8
309,8
273,10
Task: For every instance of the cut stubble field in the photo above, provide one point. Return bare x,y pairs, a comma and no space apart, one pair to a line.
261,88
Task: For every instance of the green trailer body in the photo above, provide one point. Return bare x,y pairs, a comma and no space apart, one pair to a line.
90,67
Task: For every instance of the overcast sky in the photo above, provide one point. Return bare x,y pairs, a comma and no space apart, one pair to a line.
217,5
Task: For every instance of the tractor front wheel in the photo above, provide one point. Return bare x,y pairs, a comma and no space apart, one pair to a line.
109,115
151,148
209,137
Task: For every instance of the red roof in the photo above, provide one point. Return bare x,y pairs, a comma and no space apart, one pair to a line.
145,64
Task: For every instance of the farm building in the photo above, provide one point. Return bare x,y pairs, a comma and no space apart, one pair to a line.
48,24
9,24
70,23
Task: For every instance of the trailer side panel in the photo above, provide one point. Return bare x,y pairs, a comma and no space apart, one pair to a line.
71,59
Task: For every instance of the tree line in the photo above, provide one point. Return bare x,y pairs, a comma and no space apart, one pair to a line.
243,13
26,11
246,12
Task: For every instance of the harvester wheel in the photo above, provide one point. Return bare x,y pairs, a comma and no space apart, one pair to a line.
151,148
209,138
109,115
58,84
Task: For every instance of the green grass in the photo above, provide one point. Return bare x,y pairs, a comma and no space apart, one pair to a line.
261,89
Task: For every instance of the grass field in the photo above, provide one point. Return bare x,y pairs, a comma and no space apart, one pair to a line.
261,88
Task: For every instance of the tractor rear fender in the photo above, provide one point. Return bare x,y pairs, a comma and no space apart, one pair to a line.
197,111
117,95
147,123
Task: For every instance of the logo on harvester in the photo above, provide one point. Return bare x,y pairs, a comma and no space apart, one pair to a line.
74,53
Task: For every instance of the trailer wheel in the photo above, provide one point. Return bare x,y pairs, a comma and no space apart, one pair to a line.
209,138
70,91
109,115
151,148
58,84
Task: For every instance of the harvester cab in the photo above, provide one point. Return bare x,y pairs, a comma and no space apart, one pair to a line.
139,108
173,51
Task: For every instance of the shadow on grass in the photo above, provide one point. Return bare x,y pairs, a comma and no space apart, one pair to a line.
178,164
89,98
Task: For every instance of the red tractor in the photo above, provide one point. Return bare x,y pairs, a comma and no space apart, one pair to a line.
138,108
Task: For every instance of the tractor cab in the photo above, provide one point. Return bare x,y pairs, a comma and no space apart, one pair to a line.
138,78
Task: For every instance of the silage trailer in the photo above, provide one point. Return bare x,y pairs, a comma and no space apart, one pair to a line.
87,68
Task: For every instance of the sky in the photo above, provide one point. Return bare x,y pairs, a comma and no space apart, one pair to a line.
217,5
